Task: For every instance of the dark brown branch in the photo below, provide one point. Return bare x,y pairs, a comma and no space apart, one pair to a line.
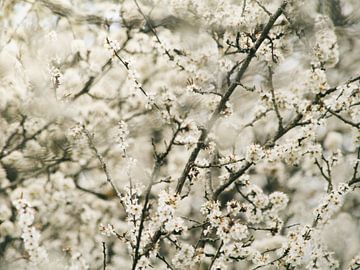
356,125
137,256
218,165
104,255
204,132
231,179
86,88
126,65
327,177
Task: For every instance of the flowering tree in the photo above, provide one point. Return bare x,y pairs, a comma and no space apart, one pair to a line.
168,134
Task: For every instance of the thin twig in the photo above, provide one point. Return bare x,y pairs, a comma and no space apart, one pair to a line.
165,261
356,125
104,255
327,177
355,179
152,29
273,98
103,164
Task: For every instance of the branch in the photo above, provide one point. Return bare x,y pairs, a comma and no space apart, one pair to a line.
158,163
222,104
216,255
152,29
356,125
103,164
327,177
215,116
165,261
104,255
104,69
273,261
273,98
355,179
24,141
333,89
232,178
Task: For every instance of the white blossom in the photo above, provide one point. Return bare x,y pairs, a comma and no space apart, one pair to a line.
30,235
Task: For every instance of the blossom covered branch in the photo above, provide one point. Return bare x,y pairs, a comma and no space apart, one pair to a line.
171,134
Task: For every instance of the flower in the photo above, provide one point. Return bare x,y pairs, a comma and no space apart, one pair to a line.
254,153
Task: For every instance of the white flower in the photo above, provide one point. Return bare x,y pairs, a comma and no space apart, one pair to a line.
175,224
257,196
331,203
122,136
107,230
30,236
220,264
279,200
239,231
78,262
254,153
184,257
296,246
326,47
166,207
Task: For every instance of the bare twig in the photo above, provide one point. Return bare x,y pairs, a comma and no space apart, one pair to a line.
273,98
104,255
162,258
327,177
152,29
103,164
346,121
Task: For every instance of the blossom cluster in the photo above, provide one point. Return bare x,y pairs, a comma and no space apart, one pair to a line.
166,134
